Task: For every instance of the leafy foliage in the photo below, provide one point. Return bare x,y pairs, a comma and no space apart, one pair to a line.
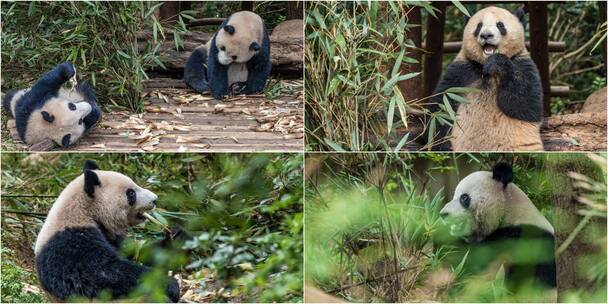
241,217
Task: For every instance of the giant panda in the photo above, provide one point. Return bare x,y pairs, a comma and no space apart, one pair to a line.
498,220
506,113
77,249
236,59
47,110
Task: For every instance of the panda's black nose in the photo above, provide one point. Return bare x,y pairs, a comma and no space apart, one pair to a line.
233,57
486,36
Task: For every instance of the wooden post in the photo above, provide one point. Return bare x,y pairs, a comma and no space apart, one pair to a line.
294,10
434,42
168,12
247,6
602,5
539,48
412,88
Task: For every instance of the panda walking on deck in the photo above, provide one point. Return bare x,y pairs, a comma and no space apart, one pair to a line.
46,110
77,249
236,59
505,114
498,220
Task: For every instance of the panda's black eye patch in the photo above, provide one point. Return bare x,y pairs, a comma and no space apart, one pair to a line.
223,48
478,29
131,196
501,27
72,106
465,200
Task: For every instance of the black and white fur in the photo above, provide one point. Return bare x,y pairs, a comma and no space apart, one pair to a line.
236,59
492,213
77,249
46,110
506,114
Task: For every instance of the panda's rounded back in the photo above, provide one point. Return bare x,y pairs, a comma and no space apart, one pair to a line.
69,210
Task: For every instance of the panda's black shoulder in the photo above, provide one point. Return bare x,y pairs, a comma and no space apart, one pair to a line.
75,242
518,232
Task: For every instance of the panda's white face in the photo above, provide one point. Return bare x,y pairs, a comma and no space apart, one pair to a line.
236,47
119,202
476,208
60,119
493,30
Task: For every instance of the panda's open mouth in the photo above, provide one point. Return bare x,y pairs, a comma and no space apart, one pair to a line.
489,49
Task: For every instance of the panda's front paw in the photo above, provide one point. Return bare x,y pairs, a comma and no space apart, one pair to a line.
217,95
496,65
67,70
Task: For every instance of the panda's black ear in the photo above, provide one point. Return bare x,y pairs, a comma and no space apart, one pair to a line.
90,165
229,29
503,173
254,46
521,15
90,181
48,117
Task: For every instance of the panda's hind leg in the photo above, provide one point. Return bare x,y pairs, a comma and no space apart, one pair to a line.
195,71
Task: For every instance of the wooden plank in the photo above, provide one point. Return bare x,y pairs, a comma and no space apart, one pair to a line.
539,48
236,128
434,41
454,46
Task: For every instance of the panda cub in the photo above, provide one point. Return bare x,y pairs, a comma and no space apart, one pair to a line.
46,110
506,113
77,250
498,220
236,59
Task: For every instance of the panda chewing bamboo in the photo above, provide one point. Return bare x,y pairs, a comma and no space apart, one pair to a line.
77,249
498,221
506,113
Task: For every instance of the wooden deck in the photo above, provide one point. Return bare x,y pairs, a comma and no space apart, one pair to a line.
178,119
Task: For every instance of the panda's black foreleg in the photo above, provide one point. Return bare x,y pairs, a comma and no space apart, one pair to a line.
457,74
88,93
519,90
121,277
51,82
195,71
218,75
258,68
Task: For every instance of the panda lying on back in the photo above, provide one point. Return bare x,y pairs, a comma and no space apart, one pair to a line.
77,248
237,58
506,114
46,110
498,220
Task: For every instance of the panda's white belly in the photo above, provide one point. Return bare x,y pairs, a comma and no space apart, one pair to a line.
237,72
481,126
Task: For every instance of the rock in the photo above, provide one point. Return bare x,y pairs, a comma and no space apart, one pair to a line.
596,102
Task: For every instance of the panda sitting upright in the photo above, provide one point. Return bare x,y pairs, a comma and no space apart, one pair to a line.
498,220
77,249
46,110
237,58
506,113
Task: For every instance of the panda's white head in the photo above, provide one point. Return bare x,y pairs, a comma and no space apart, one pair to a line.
479,203
61,119
240,38
114,200
494,30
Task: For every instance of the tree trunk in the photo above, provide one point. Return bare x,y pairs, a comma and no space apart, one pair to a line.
565,218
